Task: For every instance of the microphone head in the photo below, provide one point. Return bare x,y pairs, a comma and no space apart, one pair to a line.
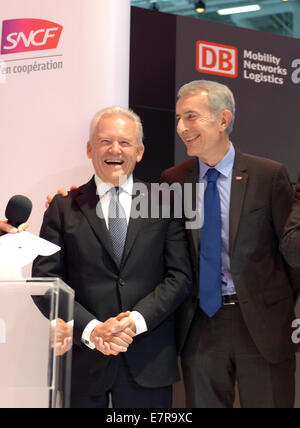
18,210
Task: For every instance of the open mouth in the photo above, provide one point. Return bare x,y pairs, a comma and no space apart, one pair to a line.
114,162
191,139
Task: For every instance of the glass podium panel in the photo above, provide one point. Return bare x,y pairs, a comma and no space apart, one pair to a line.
36,330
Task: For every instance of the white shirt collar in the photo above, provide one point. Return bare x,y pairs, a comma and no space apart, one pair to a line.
224,166
103,187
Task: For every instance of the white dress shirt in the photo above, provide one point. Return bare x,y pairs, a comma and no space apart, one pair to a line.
125,198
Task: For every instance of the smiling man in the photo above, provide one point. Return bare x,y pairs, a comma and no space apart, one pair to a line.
129,275
237,323
115,146
203,130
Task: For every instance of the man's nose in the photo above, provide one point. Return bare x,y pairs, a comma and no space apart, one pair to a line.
115,147
181,127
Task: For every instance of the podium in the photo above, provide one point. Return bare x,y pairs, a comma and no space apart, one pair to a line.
35,369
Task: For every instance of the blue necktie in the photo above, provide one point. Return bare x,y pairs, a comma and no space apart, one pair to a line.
117,224
210,294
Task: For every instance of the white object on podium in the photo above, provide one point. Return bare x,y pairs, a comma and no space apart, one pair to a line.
19,249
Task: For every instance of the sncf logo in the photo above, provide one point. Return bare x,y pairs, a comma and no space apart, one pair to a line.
217,59
24,35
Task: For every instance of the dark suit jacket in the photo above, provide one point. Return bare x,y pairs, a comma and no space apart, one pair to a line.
261,197
154,278
290,242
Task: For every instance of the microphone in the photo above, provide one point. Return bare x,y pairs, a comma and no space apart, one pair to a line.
18,210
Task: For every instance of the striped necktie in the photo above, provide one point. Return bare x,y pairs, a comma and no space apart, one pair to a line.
117,224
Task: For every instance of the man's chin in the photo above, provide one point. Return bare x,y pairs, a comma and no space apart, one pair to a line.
119,179
191,152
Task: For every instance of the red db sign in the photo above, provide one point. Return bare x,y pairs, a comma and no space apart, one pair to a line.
214,58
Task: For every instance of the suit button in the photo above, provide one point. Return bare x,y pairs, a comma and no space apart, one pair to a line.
122,283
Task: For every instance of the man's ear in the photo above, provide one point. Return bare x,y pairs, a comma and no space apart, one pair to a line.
89,149
225,119
141,150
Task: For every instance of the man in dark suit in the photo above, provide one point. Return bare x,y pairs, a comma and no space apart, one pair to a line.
130,272
237,323
290,242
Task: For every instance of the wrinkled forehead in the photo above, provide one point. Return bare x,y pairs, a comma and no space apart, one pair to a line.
192,102
114,119
112,123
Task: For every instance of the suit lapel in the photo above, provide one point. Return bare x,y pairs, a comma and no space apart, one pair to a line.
238,192
141,195
88,202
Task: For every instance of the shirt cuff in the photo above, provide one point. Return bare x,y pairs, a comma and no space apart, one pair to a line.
86,335
140,323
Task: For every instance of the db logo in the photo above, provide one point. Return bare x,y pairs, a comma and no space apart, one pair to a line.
24,35
217,59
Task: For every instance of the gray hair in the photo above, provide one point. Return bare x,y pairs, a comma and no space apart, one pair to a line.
118,110
220,97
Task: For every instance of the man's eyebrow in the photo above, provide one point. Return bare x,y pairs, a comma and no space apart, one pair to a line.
101,136
186,112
